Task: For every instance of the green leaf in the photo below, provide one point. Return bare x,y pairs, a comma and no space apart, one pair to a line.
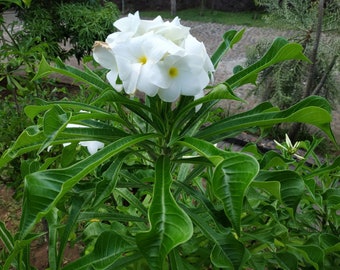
73,218
104,188
86,216
292,185
19,247
286,260
334,167
15,2
6,237
175,260
148,114
43,189
313,110
206,149
33,110
230,38
54,122
272,159
220,259
30,139
232,251
170,225
230,182
27,2
233,174
280,50
329,242
332,198
230,254
272,187
311,253
186,115
131,199
86,76
109,247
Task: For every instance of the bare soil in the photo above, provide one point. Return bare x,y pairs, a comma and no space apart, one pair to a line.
10,213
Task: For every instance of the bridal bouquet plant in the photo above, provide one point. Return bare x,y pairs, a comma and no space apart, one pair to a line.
134,175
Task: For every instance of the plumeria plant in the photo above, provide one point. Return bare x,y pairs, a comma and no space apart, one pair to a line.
134,176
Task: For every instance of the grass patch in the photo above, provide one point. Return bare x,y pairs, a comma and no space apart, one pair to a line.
249,18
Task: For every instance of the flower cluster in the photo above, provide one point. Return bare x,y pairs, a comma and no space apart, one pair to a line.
154,57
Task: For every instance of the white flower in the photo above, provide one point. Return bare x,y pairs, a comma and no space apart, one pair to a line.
172,31
92,146
194,47
180,75
155,57
289,148
103,54
136,61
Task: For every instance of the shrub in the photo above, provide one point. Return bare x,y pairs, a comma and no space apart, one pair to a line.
76,23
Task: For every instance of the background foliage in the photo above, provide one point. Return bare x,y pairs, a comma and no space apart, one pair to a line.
285,84
45,28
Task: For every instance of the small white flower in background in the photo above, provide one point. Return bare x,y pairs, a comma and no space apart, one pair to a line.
155,57
92,146
289,148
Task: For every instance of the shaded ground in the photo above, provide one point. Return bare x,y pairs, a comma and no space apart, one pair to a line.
10,212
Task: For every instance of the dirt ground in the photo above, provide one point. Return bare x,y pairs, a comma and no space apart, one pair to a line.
10,212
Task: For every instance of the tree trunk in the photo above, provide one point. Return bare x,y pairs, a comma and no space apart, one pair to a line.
123,6
173,7
318,88
295,129
313,57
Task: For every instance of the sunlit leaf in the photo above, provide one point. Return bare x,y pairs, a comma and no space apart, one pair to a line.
312,110
230,182
230,38
279,51
233,174
170,225
88,77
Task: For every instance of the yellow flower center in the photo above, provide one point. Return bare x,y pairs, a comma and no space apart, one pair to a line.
143,60
173,72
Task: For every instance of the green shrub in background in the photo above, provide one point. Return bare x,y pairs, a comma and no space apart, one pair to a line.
76,23
45,27
315,25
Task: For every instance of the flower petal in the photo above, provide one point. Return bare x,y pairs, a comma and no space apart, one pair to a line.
103,54
92,146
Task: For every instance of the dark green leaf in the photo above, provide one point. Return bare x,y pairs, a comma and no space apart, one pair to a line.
292,185
43,189
109,247
170,225
229,39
